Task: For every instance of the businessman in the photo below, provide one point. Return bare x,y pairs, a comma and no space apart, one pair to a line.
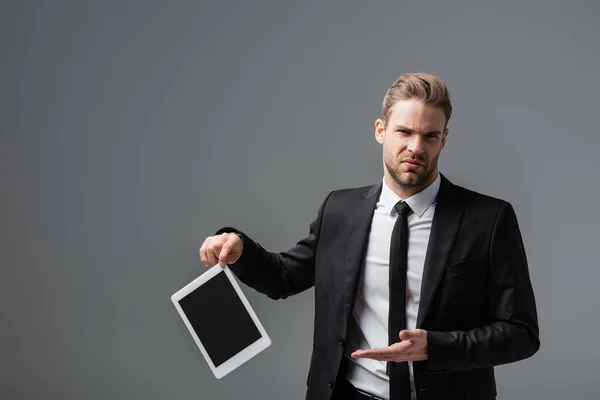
422,286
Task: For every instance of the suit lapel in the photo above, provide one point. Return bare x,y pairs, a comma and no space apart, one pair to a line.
357,243
446,220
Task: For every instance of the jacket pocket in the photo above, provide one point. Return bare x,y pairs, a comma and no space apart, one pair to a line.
462,266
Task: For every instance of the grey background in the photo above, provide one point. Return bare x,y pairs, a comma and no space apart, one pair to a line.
131,130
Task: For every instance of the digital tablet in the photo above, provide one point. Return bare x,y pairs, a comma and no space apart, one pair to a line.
221,320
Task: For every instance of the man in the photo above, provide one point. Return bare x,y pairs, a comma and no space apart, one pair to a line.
421,286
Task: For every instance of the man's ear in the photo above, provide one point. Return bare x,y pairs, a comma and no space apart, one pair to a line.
379,131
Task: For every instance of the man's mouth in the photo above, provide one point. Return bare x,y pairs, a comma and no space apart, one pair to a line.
413,164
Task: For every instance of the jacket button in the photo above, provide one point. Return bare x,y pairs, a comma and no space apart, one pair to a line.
331,383
342,342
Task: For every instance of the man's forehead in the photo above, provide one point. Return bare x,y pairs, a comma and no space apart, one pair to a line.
415,114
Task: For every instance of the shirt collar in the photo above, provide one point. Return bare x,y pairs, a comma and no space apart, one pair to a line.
419,202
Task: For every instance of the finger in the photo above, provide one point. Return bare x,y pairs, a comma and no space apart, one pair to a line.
217,246
226,249
396,349
413,334
382,352
405,335
374,355
211,254
203,256
380,358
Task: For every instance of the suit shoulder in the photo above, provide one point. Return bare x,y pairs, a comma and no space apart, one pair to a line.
344,198
482,201
353,192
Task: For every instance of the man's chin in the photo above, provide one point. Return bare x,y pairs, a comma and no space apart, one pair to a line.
411,179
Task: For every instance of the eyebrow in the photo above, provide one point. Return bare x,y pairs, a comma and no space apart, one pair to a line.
404,128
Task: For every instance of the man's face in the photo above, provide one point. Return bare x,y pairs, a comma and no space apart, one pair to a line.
412,141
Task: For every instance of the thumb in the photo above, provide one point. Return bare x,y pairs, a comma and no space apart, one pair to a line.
227,254
405,335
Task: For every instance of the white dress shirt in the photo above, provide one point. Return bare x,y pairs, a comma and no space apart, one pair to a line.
368,328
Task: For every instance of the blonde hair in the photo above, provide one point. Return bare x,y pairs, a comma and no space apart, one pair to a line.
421,86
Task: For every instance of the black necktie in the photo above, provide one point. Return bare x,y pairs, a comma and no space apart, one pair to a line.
398,371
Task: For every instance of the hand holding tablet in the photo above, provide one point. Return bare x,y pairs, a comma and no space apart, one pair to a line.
221,321
223,249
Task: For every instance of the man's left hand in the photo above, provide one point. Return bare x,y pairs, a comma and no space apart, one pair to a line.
413,347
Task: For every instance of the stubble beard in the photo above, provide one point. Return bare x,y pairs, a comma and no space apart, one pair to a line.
412,179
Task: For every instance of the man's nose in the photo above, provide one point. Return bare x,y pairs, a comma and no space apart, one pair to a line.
415,144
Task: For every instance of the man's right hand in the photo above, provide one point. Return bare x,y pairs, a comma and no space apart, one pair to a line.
223,249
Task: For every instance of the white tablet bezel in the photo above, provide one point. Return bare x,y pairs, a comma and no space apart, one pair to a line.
241,357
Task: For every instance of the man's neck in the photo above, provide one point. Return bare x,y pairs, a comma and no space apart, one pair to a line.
406,192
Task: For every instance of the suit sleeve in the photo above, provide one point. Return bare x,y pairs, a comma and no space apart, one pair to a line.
282,274
513,332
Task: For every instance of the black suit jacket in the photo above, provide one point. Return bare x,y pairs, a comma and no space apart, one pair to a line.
477,302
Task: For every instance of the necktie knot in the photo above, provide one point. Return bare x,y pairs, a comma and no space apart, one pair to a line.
402,208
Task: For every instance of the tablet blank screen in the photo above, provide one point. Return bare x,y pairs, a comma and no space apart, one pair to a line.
220,319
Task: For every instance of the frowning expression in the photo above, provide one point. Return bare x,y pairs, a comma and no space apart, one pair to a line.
412,140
